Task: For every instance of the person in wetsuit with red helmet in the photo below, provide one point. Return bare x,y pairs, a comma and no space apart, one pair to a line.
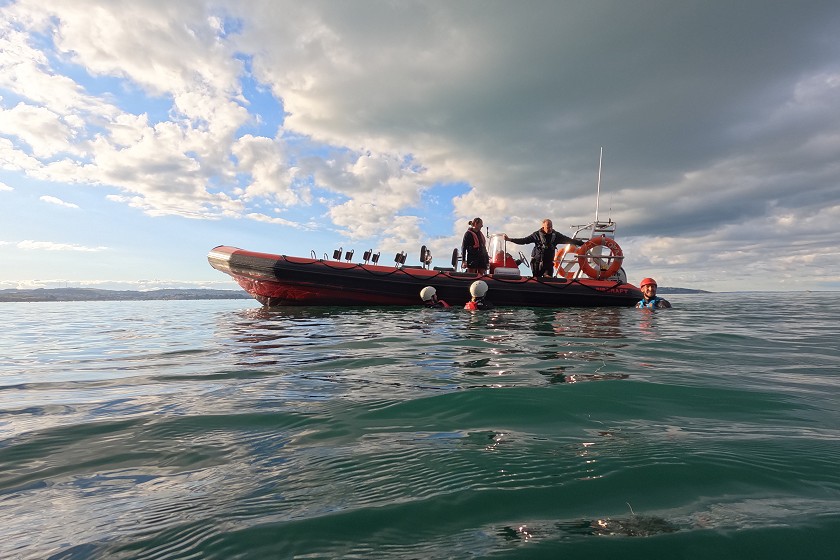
651,300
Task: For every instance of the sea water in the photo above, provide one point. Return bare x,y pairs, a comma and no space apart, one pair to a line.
215,429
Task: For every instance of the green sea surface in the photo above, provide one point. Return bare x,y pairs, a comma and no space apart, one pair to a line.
215,429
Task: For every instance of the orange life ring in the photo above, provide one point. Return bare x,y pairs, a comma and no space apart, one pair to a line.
614,258
558,260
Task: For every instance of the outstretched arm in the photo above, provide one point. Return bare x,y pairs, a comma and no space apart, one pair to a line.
567,239
522,240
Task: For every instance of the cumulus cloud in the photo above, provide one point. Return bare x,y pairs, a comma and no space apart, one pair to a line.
41,129
378,188
58,202
263,159
165,164
26,69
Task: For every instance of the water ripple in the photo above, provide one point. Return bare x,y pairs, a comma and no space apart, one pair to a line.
219,430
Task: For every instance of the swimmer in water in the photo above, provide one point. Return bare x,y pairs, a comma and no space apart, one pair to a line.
651,300
430,298
478,290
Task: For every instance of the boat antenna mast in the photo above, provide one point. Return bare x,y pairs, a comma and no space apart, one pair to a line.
598,192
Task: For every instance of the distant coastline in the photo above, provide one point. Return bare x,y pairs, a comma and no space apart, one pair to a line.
666,290
93,294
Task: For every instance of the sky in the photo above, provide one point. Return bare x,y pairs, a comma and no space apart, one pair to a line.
137,135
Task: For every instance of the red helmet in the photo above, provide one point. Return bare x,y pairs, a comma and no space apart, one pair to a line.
646,281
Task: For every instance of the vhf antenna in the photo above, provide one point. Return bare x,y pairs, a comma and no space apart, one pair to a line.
598,194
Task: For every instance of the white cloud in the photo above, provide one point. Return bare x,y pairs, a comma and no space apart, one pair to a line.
15,159
40,128
160,46
29,245
379,187
263,159
5,187
164,166
25,69
272,220
58,202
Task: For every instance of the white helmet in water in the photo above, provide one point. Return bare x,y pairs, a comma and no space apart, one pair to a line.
478,288
427,293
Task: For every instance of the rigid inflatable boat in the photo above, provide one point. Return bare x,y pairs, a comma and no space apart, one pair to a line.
587,276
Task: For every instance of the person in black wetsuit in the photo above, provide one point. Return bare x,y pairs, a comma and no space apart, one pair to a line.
545,242
474,248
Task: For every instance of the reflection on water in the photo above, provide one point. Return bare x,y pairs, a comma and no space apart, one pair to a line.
501,343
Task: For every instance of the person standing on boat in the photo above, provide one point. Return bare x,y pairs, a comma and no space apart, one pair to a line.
474,248
651,300
430,298
545,242
478,290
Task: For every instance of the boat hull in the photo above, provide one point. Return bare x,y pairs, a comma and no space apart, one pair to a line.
281,280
